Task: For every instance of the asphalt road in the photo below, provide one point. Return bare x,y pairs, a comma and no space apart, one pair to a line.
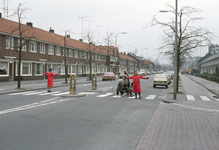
38,120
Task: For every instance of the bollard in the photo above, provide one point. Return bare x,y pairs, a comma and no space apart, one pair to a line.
72,88
94,81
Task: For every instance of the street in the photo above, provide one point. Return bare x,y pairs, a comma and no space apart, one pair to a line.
37,119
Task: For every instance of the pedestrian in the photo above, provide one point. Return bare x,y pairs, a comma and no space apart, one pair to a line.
126,84
136,84
49,79
119,88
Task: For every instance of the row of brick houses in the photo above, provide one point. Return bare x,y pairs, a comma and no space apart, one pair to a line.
43,50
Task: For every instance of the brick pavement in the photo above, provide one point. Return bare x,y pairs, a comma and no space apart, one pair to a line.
178,127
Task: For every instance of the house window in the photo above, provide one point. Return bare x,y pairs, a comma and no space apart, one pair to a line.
80,69
95,56
58,51
23,45
64,53
84,69
71,69
81,54
9,42
33,46
25,69
3,68
38,69
42,48
85,55
62,69
75,53
51,50
70,53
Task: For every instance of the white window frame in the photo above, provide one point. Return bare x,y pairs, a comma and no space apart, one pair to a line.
7,69
58,51
72,69
51,49
95,56
23,47
79,69
42,48
75,53
9,42
33,46
85,55
62,70
70,52
80,54
54,67
65,53
21,71
41,69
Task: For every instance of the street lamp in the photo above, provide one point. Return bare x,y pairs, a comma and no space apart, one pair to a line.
116,45
175,52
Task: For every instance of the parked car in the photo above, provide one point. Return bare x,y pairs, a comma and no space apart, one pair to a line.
109,76
140,73
160,80
148,73
169,79
153,72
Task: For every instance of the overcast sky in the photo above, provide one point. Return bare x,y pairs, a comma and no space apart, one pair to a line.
113,16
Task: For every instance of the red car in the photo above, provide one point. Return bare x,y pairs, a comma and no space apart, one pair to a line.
109,76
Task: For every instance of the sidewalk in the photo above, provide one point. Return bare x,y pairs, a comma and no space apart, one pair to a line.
209,85
175,126
11,86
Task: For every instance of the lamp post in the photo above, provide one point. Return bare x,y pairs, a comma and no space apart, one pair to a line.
116,45
175,52
142,57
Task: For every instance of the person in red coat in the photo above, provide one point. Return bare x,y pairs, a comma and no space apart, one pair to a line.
49,79
136,84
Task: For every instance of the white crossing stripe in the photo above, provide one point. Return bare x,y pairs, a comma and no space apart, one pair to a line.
20,93
205,98
190,97
32,93
116,96
61,93
87,93
50,93
104,95
150,97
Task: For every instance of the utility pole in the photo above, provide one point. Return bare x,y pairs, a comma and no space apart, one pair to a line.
82,18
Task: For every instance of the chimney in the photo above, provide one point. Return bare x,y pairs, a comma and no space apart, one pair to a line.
51,30
81,40
30,24
68,36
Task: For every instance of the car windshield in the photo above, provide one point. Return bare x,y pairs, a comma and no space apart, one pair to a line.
108,73
160,76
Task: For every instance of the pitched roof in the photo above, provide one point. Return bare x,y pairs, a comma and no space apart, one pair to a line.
124,56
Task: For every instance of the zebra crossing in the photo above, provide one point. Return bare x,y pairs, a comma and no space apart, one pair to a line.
112,95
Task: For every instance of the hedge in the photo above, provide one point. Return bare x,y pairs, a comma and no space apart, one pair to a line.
208,77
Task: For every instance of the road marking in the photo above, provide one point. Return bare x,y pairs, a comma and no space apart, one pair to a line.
150,97
104,95
21,93
61,93
190,97
47,93
32,93
87,93
33,105
205,98
116,96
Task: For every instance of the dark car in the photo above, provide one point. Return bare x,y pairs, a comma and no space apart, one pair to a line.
109,76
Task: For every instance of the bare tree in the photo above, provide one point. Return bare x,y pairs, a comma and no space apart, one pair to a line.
25,34
89,37
108,41
189,36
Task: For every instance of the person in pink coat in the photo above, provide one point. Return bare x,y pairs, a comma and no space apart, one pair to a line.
49,79
136,84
